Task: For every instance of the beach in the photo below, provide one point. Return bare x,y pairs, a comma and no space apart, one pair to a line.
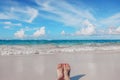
90,65
38,60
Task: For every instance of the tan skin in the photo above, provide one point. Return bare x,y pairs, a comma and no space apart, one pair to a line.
63,71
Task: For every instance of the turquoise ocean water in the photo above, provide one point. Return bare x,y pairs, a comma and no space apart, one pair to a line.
58,42
36,47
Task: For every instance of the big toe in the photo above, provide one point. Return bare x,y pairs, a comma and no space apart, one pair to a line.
59,66
68,66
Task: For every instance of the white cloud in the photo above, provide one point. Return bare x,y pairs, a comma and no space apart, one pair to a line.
73,16
9,24
6,16
63,32
64,12
113,30
39,32
27,14
20,34
12,24
33,13
90,28
87,29
112,20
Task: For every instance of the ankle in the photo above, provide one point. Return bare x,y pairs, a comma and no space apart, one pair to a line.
60,79
67,78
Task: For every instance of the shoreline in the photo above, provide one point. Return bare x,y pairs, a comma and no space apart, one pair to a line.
52,49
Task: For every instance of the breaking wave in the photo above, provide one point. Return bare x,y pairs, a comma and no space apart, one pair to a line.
52,49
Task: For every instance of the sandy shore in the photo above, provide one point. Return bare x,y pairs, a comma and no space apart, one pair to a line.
89,66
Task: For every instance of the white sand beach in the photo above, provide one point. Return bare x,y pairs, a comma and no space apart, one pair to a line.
90,65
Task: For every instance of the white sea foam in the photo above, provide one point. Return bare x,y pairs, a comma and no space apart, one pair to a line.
51,49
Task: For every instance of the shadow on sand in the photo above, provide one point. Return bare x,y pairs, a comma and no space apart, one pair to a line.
77,77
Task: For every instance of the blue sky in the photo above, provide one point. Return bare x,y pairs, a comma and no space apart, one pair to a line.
59,19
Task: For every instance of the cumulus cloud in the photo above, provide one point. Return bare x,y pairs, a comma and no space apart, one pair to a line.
87,29
113,30
20,34
39,32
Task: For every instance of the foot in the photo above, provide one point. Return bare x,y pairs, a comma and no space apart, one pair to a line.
60,72
66,72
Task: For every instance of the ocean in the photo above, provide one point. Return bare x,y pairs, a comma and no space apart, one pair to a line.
37,47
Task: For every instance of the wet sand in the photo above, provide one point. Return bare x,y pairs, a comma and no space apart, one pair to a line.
102,65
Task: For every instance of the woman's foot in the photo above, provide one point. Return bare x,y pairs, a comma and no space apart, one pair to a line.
67,72
60,72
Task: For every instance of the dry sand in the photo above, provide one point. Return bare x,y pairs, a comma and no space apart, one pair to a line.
85,66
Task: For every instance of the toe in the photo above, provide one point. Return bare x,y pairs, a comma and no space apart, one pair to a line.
68,66
59,66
